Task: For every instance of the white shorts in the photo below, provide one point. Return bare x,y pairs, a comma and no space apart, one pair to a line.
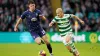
70,34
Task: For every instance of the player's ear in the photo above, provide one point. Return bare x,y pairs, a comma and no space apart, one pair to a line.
27,6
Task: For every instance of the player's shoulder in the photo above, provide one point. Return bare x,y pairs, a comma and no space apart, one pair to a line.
25,12
68,15
37,10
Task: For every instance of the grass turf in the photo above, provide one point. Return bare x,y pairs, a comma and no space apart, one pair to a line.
17,49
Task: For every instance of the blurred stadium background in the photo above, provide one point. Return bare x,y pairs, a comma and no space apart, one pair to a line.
87,37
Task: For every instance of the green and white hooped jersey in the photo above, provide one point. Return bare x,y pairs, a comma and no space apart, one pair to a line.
63,24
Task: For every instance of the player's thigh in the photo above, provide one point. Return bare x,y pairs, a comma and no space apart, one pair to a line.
45,38
35,37
68,37
43,35
38,40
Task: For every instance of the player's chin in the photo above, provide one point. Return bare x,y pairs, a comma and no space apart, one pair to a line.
58,15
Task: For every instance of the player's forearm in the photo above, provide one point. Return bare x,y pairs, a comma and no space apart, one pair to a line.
77,18
43,17
18,22
51,23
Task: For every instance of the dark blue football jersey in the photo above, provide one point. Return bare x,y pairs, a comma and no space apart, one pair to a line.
32,19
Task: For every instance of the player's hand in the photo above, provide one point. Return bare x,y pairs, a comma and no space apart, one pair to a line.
50,24
15,29
82,22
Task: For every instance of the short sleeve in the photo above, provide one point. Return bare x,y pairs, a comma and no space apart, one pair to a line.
40,13
70,16
54,20
23,15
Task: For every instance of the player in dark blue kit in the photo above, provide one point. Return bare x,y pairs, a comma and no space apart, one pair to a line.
33,17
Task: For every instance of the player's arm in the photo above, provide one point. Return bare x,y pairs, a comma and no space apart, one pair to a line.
43,17
17,23
75,17
52,22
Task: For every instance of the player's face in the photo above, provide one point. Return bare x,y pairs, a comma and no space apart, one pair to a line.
32,6
59,14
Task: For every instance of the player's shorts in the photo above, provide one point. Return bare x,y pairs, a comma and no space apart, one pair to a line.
70,34
37,33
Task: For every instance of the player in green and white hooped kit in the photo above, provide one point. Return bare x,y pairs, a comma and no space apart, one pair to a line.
65,29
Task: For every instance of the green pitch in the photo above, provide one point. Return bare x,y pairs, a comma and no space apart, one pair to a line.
85,49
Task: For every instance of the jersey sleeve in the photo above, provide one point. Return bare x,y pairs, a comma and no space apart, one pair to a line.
54,20
40,13
23,15
69,16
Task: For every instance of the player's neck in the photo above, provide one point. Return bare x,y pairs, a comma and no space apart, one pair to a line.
31,10
61,16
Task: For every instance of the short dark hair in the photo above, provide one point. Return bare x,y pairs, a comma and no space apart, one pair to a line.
31,2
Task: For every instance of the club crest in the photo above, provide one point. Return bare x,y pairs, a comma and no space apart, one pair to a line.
33,19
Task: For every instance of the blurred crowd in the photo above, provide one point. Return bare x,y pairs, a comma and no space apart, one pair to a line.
87,10
10,11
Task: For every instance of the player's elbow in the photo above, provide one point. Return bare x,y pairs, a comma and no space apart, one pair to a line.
19,20
74,16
